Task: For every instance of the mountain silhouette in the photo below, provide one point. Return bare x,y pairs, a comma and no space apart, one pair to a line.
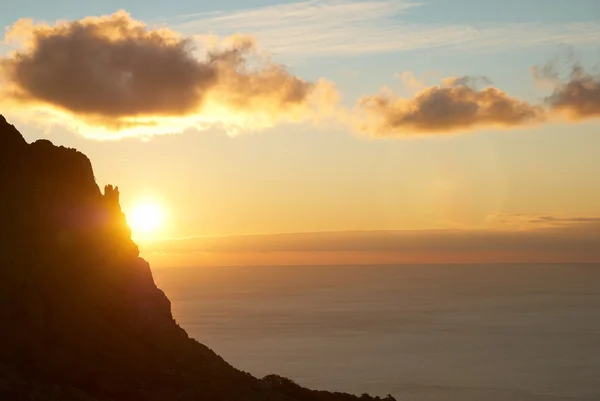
80,315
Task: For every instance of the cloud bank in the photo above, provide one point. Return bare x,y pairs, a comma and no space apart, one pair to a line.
115,72
538,239
113,76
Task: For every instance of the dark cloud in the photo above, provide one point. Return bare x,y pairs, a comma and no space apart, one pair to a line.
113,70
454,106
578,98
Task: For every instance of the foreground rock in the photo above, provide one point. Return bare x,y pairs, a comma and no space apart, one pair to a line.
80,315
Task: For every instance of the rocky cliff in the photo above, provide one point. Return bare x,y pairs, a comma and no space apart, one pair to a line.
80,315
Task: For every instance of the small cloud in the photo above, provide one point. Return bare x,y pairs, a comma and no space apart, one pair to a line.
578,98
410,82
454,106
471,81
534,221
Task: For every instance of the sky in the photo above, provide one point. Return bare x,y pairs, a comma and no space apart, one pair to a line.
326,131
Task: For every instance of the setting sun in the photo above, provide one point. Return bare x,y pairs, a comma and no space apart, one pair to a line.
145,218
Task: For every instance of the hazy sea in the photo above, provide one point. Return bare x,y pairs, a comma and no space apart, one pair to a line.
420,333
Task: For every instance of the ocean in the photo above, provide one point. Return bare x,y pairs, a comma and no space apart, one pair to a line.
418,332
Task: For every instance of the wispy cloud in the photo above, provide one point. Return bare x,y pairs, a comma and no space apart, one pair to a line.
344,27
520,221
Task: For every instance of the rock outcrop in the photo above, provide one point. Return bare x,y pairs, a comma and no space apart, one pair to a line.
80,315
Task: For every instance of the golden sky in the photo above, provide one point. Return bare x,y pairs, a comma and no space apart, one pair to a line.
256,148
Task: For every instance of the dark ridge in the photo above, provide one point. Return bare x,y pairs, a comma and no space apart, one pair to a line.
80,315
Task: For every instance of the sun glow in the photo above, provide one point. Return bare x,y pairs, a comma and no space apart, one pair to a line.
145,218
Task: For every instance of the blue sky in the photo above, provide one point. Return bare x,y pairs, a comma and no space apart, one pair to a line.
440,11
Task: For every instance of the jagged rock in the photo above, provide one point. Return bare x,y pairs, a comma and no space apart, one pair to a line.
80,315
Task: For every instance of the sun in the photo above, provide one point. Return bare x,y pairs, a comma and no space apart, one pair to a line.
145,218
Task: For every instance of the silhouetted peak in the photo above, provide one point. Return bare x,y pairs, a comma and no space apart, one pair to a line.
43,143
57,224
10,138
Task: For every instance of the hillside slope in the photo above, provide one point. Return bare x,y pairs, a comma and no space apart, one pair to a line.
81,316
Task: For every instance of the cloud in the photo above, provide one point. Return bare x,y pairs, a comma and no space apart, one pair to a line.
113,76
528,221
578,98
454,106
467,103
565,240
115,73
472,82
561,221
330,28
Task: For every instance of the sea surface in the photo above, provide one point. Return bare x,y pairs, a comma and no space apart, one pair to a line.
420,333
